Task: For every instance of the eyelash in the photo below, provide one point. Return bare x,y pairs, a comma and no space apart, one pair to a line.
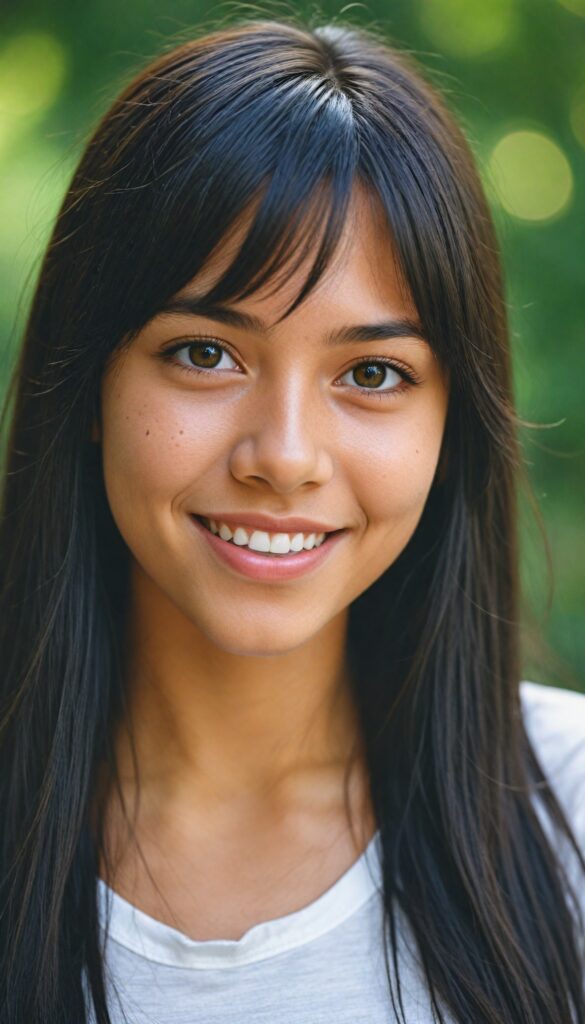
409,378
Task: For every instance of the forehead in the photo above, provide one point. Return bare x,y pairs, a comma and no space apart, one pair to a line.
364,269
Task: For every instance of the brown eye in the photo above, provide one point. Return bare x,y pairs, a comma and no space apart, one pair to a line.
379,377
369,375
205,354
200,355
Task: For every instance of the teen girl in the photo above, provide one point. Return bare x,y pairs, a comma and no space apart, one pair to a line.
265,752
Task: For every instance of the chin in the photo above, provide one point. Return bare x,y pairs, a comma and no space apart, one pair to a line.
258,639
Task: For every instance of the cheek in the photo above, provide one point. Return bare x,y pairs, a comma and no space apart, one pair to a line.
154,444
395,470
393,476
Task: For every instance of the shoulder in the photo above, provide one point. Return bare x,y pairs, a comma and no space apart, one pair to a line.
555,723
554,719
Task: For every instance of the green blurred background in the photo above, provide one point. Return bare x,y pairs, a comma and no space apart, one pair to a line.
513,71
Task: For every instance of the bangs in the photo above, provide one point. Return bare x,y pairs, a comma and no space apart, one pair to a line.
293,179
288,235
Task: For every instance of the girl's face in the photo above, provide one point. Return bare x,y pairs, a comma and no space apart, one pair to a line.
316,419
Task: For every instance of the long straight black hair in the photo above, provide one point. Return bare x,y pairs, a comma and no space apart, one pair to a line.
291,115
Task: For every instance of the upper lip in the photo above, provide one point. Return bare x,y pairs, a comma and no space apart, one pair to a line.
284,524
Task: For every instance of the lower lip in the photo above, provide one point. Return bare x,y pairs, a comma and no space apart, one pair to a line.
267,568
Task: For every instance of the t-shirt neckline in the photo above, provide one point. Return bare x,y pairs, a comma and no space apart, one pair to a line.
149,938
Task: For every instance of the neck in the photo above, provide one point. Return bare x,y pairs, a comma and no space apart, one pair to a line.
207,720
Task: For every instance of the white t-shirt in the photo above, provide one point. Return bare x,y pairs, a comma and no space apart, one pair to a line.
323,963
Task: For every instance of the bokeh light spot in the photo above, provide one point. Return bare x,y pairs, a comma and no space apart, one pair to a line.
468,28
32,72
532,176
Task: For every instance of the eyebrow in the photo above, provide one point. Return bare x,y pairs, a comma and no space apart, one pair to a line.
400,327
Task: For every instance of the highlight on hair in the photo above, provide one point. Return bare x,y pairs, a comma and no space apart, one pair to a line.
291,117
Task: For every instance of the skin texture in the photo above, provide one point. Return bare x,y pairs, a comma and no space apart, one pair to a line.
242,715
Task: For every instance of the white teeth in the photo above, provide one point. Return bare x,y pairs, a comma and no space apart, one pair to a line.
280,544
259,541
267,543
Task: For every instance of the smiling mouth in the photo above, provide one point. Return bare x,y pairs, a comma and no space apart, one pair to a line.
264,542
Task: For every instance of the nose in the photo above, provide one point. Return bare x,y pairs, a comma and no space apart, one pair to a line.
283,444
